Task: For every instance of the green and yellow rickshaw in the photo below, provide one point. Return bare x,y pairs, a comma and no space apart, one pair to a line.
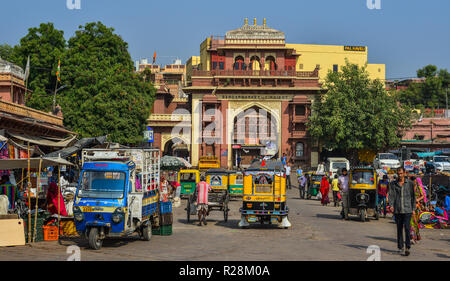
362,193
188,180
235,183
314,186
264,195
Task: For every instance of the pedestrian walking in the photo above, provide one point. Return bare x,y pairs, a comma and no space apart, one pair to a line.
288,175
302,185
383,190
284,159
203,189
403,202
335,190
324,190
343,187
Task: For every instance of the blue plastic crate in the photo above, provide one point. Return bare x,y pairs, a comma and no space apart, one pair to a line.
165,207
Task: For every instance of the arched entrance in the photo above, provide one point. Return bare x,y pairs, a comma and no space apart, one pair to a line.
254,134
176,147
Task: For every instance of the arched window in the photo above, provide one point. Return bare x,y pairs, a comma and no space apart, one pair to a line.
239,63
254,63
299,149
270,63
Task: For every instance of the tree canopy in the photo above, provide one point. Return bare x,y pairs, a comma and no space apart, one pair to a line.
102,94
45,45
357,113
431,93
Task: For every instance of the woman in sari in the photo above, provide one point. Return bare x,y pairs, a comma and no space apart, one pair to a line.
324,190
415,216
52,201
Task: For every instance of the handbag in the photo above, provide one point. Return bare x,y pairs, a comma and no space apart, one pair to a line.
319,195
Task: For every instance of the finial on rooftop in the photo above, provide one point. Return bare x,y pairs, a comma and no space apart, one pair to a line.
246,21
264,21
254,21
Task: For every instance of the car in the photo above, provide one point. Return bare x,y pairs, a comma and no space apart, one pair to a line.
334,165
386,160
441,163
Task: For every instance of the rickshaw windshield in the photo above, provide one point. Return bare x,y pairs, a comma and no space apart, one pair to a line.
187,177
262,183
339,165
317,178
104,185
363,177
216,180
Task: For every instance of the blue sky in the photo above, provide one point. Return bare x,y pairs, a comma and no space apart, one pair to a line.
403,34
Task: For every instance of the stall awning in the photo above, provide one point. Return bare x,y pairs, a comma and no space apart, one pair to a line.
428,154
10,164
53,142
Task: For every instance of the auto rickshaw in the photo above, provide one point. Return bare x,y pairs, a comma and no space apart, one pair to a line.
314,187
218,197
188,180
235,183
363,192
264,195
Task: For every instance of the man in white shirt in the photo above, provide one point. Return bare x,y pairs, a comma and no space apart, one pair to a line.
288,176
343,186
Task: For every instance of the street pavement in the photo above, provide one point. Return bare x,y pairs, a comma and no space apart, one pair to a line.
317,233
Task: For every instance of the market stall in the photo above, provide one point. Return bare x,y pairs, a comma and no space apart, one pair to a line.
31,186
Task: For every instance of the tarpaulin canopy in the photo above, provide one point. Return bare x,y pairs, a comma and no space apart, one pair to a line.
78,146
428,154
43,141
10,164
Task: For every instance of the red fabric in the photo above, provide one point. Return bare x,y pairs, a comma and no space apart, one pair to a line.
52,199
324,189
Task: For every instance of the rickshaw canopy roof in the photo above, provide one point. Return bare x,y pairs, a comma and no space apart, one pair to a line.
268,166
189,172
217,171
362,168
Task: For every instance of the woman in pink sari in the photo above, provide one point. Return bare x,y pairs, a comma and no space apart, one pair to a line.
52,200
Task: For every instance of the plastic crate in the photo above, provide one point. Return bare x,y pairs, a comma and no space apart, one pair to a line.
39,229
166,219
50,233
164,230
165,207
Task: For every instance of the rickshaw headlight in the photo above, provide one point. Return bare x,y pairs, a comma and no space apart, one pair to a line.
78,214
118,215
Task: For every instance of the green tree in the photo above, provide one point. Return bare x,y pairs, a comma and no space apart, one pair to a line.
45,45
104,96
431,93
357,113
6,52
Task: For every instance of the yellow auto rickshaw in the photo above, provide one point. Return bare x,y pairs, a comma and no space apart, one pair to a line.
188,180
362,193
235,183
264,195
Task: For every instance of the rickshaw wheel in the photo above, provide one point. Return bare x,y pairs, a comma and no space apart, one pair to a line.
94,242
363,215
147,232
188,209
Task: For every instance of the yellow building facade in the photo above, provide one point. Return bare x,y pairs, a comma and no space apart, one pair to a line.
329,57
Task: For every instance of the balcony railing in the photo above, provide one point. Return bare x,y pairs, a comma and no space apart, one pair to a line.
280,73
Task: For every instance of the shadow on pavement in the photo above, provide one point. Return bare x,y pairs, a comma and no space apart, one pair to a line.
383,238
360,247
443,256
107,243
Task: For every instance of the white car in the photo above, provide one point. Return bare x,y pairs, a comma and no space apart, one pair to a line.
386,160
441,163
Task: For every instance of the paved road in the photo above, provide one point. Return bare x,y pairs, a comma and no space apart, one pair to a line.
317,233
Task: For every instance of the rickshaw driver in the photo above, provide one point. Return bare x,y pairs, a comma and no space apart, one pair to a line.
203,189
343,186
